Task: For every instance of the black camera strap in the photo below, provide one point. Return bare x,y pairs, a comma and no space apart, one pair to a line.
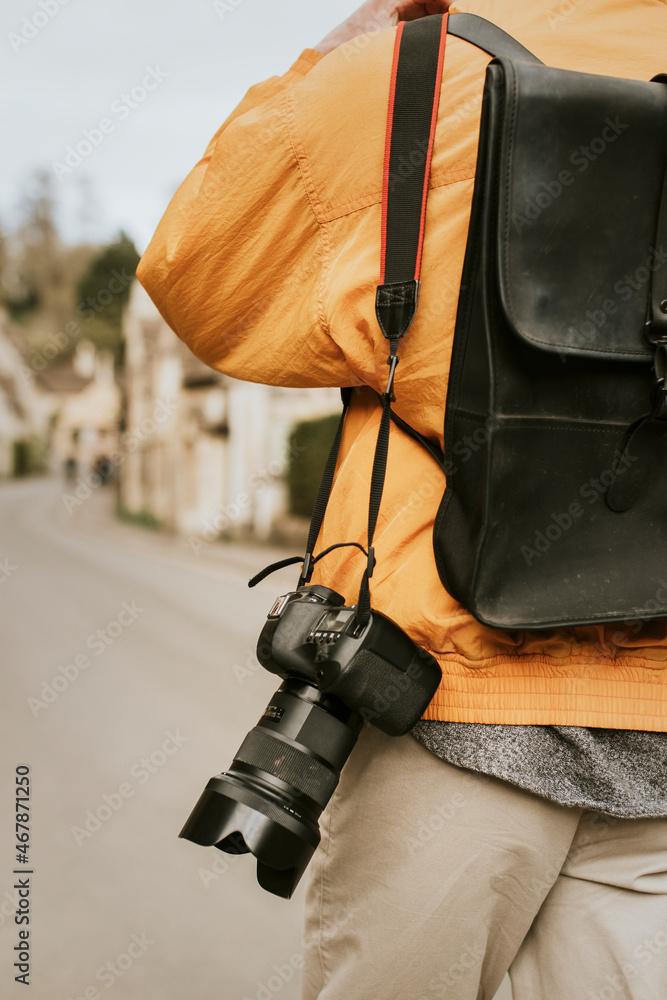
413,111
414,97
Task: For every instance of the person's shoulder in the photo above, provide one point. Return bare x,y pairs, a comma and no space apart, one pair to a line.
338,116
607,37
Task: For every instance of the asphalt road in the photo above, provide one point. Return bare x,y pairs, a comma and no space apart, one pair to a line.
128,679
157,709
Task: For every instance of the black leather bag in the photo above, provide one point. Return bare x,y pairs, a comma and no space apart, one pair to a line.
555,510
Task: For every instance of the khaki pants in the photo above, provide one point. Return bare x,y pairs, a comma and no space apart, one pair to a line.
433,881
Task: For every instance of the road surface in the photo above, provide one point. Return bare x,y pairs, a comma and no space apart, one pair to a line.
128,680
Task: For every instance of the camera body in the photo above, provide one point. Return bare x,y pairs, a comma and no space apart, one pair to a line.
337,672
375,669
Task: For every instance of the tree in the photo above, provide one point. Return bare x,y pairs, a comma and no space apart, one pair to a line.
103,290
38,252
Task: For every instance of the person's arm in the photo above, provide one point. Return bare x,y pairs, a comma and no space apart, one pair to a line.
377,14
237,263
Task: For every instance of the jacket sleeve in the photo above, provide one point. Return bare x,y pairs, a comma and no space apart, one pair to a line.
235,266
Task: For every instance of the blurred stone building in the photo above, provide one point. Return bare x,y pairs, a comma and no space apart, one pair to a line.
84,397
24,414
203,454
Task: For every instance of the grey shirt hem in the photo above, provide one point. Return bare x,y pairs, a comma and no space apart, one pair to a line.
619,772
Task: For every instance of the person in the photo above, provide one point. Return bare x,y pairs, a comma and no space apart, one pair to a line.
522,825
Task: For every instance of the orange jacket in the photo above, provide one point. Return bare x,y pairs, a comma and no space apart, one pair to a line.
266,264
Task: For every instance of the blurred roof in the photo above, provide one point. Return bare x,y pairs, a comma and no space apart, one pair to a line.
62,379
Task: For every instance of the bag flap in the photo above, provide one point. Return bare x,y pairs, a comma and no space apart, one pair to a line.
582,163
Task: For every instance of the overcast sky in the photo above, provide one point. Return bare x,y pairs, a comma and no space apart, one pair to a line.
66,65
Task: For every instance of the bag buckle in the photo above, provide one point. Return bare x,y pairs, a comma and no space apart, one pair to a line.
659,393
388,393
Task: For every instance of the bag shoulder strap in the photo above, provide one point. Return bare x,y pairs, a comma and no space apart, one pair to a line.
413,109
489,37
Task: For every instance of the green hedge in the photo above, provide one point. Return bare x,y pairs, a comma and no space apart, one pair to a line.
28,456
309,446
142,518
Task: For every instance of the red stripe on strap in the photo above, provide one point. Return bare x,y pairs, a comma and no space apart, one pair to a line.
429,154
387,148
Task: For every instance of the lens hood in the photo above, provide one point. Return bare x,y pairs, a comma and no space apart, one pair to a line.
238,820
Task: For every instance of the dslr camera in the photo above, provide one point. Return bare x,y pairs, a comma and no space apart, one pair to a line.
338,671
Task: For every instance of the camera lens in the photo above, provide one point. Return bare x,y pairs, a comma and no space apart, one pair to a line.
269,801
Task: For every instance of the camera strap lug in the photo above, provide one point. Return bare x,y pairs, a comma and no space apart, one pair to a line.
308,567
388,393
